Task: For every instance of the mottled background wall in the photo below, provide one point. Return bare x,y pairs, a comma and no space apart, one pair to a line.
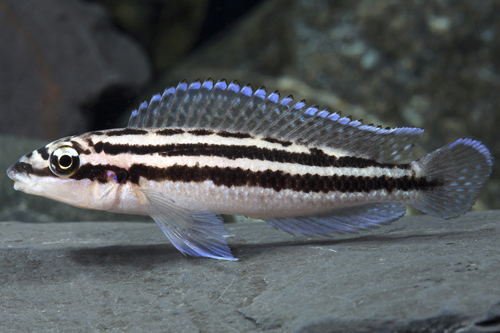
69,66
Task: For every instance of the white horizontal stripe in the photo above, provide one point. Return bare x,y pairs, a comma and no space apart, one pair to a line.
257,202
126,160
186,138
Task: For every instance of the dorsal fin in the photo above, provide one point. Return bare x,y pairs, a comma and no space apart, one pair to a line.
232,107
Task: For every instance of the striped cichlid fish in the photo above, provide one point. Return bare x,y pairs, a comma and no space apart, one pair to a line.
204,149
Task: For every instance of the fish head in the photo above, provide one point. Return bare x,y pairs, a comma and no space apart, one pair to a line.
55,171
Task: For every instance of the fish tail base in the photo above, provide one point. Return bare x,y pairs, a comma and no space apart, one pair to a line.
460,170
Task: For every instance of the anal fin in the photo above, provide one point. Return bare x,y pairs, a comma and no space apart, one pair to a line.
198,234
342,220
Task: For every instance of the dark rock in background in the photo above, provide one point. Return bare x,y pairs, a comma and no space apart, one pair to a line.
420,274
68,69
57,56
167,29
429,64
61,61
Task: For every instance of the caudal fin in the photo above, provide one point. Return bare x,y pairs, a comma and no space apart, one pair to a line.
461,168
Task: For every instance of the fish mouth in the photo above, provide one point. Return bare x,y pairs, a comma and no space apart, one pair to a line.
19,173
13,171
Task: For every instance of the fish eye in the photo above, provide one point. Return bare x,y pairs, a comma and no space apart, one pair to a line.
64,161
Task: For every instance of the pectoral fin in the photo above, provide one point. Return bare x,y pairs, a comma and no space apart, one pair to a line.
198,234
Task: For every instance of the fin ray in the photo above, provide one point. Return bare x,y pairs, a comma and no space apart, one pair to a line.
198,234
462,167
342,220
232,107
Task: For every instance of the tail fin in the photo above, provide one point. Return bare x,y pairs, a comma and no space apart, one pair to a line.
462,168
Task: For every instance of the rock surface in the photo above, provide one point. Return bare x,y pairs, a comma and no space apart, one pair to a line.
58,57
419,274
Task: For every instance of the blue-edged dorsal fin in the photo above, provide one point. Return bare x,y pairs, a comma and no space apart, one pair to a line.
198,234
232,107
342,220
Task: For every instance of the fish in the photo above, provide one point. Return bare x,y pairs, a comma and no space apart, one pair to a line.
207,148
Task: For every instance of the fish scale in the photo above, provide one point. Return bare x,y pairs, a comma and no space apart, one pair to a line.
208,148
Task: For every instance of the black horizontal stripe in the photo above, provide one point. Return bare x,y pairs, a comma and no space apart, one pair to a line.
200,132
204,132
276,180
45,172
196,132
170,131
316,157
126,131
237,135
281,142
23,167
102,173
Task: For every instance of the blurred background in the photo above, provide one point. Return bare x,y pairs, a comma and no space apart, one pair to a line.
71,66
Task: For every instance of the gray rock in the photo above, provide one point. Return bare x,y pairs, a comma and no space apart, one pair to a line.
57,56
418,275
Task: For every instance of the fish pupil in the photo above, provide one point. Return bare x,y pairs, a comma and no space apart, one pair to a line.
65,161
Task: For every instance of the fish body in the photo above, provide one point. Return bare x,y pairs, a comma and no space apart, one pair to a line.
204,149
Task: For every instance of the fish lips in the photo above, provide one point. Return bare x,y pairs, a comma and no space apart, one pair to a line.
20,174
